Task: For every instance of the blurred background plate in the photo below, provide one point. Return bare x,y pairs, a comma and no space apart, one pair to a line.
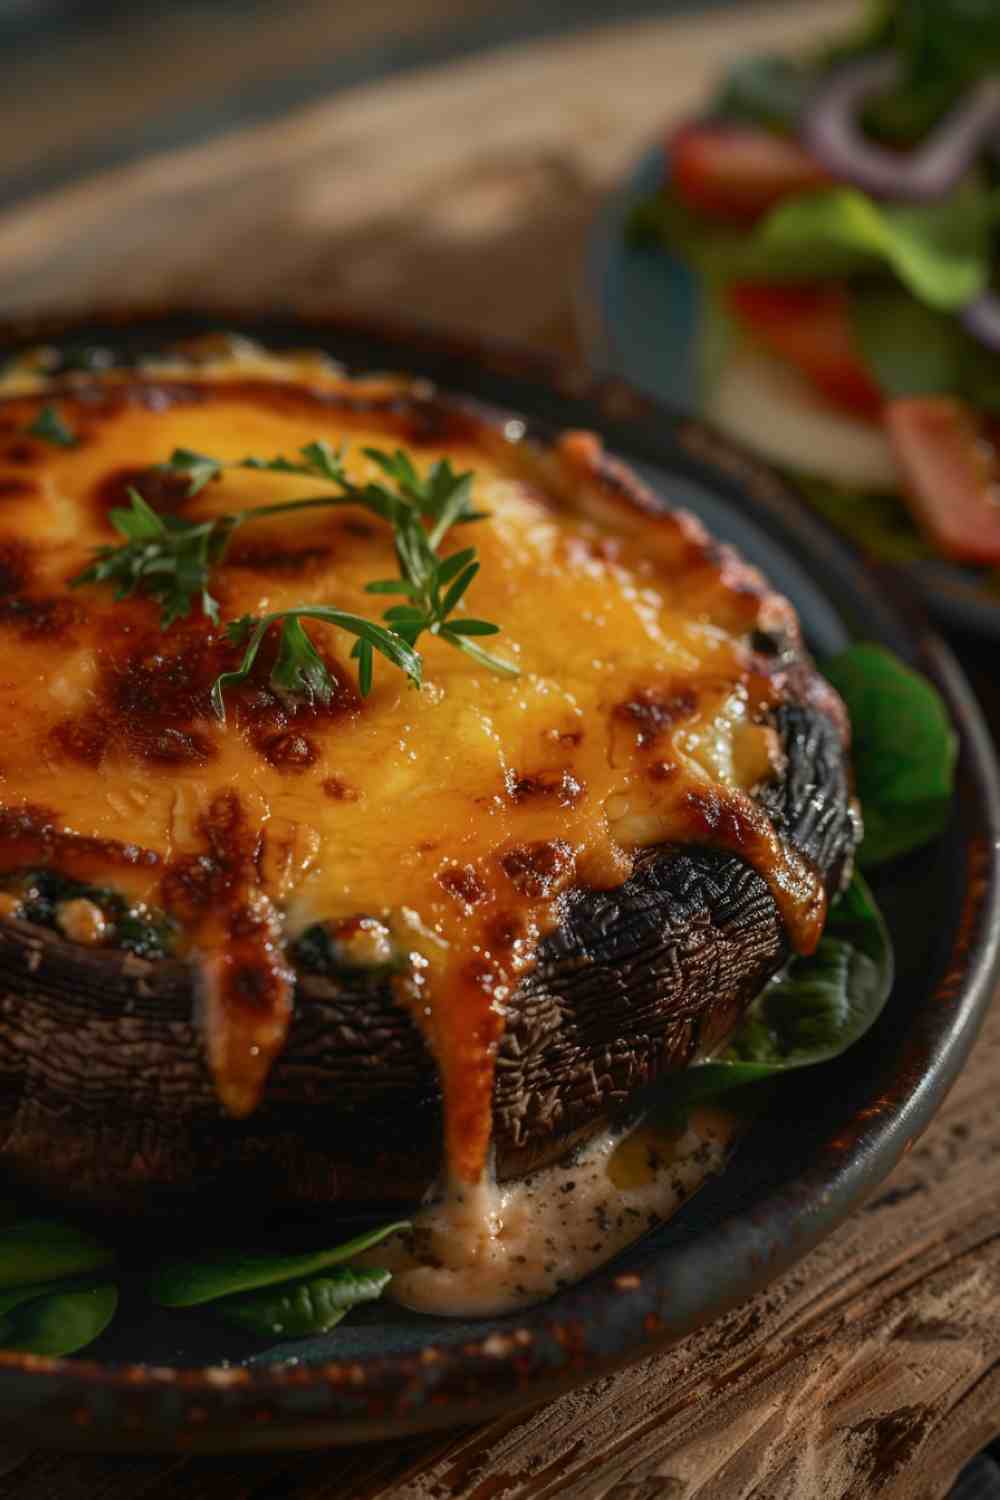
637,318
170,1381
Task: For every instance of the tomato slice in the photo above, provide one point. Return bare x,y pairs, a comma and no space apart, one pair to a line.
735,173
810,327
951,474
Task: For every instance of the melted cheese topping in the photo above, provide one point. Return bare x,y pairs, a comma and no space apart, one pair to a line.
456,814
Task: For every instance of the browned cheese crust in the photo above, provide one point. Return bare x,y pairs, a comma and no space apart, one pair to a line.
586,873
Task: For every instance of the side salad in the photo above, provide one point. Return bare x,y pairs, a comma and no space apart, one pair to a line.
60,1285
842,212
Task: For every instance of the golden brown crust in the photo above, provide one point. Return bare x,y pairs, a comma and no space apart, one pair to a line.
545,841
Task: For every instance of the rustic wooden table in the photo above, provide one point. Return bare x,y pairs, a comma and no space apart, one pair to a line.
461,196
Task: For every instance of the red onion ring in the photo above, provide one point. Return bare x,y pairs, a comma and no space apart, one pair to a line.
831,129
981,319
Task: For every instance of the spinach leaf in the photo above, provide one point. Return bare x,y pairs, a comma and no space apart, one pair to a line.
36,1250
903,750
188,1283
55,1318
312,1306
811,1012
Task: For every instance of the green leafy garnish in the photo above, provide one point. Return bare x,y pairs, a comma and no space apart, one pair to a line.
45,1306
299,671
903,751
940,251
165,557
811,1012
33,1250
189,1283
51,428
56,1318
312,1306
170,559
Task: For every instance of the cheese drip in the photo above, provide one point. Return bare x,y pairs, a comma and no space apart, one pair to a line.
459,814
487,1250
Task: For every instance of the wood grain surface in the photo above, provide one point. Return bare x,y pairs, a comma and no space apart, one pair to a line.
461,197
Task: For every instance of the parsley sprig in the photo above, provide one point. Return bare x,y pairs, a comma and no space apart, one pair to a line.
299,671
170,558
52,428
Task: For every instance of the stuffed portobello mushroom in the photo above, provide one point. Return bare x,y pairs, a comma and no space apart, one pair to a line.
387,794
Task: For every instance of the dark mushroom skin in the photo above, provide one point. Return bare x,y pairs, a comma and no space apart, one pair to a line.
106,1099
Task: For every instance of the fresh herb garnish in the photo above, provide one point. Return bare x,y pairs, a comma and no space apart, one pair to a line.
299,671
51,428
165,557
170,559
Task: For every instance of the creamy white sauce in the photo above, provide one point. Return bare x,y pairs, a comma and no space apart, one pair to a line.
483,1250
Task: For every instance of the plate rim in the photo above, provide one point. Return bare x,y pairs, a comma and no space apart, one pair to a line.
606,1322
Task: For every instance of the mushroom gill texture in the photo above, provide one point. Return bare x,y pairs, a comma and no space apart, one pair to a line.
106,1100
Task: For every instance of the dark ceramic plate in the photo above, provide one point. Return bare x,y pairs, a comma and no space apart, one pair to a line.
798,1172
637,313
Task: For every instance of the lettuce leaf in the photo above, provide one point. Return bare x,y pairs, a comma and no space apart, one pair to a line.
939,251
720,254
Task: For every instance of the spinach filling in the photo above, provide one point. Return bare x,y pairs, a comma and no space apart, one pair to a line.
47,899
